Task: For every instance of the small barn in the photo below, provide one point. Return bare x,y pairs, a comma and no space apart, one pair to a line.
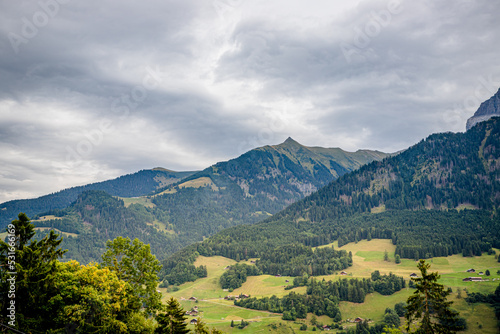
472,279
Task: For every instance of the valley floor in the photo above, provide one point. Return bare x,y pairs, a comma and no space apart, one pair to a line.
367,257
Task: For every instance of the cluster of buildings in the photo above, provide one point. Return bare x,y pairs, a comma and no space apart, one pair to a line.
193,312
241,296
473,279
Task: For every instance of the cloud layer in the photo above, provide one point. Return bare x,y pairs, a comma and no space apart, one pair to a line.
92,90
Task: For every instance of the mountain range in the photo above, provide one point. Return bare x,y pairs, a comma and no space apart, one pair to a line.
437,198
172,209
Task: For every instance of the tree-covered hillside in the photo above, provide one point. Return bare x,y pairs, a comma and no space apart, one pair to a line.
96,217
253,186
411,198
131,185
241,191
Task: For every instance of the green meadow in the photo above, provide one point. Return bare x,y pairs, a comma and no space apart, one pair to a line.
368,256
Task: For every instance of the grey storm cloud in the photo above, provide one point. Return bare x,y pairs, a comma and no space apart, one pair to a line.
90,90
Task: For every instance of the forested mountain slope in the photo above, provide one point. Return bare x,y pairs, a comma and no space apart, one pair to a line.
240,191
410,198
253,186
96,217
130,185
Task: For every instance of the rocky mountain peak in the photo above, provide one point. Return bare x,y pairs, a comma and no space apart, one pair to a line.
487,109
290,141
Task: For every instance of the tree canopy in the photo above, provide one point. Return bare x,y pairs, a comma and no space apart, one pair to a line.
428,304
133,262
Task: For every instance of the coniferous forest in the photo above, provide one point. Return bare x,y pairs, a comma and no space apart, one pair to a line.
437,198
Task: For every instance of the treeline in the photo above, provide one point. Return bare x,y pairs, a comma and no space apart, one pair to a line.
321,298
236,275
426,233
387,284
297,259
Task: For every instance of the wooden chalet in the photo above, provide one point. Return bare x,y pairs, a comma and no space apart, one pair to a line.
472,279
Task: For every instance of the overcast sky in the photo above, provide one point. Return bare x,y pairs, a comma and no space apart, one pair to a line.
91,90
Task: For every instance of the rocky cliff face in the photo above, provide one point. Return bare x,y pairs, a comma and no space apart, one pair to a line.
486,110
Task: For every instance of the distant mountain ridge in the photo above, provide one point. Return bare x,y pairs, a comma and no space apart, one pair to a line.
305,169
130,185
253,186
243,190
437,198
486,110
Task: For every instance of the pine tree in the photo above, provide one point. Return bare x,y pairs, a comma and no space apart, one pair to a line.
31,264
173,320
428,304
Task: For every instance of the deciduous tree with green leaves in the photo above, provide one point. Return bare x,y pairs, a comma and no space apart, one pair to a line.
89,299
428,306
133,262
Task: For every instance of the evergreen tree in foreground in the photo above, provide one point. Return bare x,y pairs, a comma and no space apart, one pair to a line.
173,320
30,264
428,305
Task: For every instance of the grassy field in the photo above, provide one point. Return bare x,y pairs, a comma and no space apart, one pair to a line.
137,200
208,287
367,257
64,234
198,183
48,217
